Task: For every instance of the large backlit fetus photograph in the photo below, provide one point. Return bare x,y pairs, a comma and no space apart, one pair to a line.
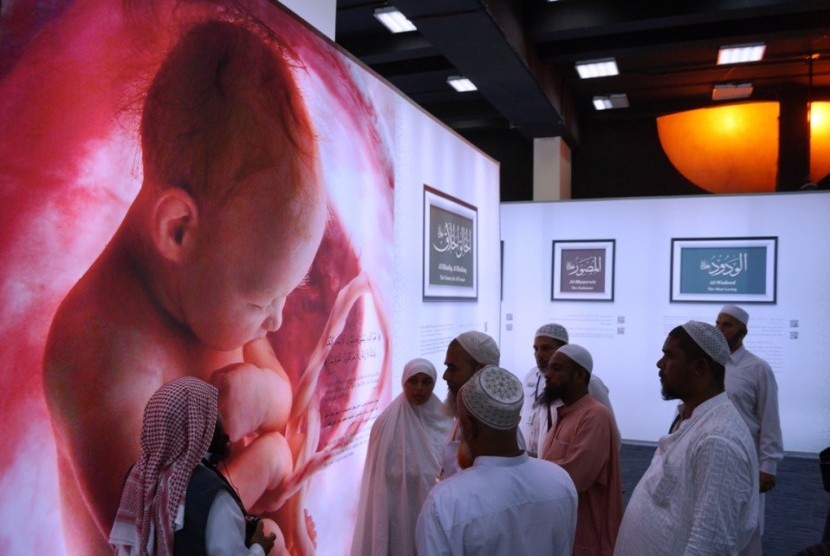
178,201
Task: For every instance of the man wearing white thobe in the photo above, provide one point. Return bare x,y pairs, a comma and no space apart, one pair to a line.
751,385
466,354
506,502
699,495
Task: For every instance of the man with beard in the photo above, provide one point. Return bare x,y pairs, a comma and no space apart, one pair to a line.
699,495
539,409
585,443
750,384
467,354
504,502
174,500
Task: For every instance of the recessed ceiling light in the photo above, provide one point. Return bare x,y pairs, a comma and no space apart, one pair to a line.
461,84
608,102
731,91
394,20
597,68
741,53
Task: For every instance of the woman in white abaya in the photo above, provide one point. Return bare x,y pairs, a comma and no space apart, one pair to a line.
402,462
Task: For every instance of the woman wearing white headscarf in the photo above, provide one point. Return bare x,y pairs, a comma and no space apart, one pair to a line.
402,462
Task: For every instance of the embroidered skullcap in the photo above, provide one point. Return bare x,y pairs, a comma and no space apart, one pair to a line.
494,396
553,330
480,347
578,355
710,339
418,365
736,312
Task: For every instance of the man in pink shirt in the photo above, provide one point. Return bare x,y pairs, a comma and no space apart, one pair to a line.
584,442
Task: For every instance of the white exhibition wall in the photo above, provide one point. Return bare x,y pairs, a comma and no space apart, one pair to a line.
625,336
429,154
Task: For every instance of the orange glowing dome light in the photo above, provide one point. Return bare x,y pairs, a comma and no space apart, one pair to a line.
734,148
819,140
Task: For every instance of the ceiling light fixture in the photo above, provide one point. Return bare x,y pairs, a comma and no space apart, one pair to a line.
741,53
394,20
731,91
597,68
461,84
608,102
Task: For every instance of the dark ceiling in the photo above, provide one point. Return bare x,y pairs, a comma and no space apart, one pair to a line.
521,55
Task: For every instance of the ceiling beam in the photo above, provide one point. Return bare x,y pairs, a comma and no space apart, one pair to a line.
486,43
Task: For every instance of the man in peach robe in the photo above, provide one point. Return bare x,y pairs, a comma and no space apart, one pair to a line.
584,442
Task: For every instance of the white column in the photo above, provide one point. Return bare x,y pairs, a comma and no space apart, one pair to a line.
551,169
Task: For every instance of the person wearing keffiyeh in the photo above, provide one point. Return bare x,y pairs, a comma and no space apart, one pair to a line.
181,422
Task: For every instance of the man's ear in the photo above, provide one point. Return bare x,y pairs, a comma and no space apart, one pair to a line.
175,217
700,366
469,428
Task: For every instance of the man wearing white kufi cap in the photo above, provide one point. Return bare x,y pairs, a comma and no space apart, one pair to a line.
539,411
699,495
466,354
505,502
750,384
585,442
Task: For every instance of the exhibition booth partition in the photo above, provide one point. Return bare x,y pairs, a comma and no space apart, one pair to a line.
295,249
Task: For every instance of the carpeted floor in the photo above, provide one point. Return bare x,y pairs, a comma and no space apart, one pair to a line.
796,509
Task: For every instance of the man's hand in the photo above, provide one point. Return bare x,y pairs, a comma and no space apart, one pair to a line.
766,482
259,537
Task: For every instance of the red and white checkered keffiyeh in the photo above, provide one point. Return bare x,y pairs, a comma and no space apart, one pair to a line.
179,422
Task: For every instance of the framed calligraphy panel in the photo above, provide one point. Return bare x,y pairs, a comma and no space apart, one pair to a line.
450,247
724,270
583,270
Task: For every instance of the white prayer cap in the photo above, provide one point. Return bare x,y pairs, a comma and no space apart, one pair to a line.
553,330
578,355
418,365
494,396
737,312
480,347
710,339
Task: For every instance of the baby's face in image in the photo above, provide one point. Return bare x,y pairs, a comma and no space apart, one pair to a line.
248,257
